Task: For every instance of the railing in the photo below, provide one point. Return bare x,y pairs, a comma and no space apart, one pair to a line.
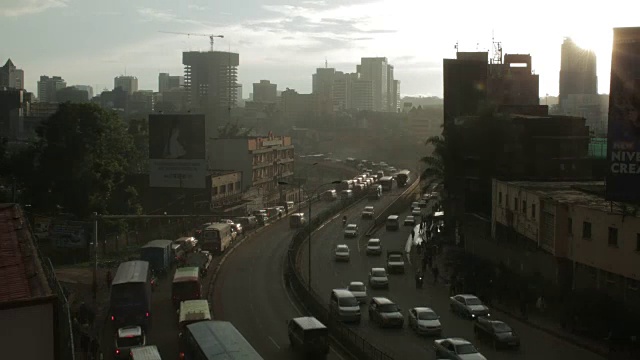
354,343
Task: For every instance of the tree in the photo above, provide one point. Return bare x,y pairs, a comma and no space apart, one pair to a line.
79,162
139,131
434,171
232,131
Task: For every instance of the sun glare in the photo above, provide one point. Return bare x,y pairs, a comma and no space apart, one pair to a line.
595,40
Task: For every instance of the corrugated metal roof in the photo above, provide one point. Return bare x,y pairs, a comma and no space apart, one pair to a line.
14,281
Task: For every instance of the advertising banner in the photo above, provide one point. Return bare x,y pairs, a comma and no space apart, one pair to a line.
70,234
177,152
623,148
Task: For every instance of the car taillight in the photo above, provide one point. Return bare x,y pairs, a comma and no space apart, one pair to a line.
117,351
113,318
146,314
181,356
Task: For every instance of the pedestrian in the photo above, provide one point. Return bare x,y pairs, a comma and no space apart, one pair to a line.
413,234
109,278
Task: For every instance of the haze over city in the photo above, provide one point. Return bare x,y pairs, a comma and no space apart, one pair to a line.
90,43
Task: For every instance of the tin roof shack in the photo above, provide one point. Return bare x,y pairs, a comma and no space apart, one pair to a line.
28,306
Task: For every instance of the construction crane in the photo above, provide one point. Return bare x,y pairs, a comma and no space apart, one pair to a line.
190,34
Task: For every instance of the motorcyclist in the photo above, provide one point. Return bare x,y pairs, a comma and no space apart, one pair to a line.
344,220
419,279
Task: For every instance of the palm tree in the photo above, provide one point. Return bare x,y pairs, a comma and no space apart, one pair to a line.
433,174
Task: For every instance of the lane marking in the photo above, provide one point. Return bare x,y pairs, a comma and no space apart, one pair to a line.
274,342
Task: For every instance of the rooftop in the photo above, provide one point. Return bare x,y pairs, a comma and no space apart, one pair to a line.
21,273
588,194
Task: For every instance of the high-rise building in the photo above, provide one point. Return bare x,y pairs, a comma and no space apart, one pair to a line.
464,85
342,90
48,87
87,88
577,71
210,79
376,70
322,87
512,82
392,91
127,83
11,77
265,92
169,82
363,94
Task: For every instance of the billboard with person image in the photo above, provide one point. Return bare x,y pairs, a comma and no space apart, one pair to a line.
177,151
623,148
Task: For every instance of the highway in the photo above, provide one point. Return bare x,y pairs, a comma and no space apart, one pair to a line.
404,344
250,290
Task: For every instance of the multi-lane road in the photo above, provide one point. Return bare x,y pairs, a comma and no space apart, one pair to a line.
251,293
404,344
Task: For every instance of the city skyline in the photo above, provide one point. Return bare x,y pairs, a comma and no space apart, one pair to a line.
125,38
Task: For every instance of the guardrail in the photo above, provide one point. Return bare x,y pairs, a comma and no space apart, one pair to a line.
348,338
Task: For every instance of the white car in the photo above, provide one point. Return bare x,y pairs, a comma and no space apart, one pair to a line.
374,247
359,290
351,231
410,221
424,321
343,253
378,278
368,212
416,211
127,338
456,349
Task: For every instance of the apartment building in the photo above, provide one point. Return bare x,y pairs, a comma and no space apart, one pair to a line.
574,236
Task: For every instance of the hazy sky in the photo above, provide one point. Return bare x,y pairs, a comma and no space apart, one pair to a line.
90,42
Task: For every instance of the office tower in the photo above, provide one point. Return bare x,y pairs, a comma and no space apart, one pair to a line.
265,92
210,79
11,77
127,83
48,87
577,71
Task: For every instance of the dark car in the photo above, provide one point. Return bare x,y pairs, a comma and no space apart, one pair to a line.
385,312
497,332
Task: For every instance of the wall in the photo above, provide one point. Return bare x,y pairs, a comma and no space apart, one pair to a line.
231,154
623,259
29,332
525,221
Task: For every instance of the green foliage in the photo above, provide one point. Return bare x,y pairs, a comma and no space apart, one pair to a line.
434,171
139,131
79,163
232,131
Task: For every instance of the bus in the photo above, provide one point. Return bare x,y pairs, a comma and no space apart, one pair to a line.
130,301
216,237
159,254
387,183
402,177
186,285
212,340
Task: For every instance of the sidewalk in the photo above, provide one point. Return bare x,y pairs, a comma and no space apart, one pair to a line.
534,319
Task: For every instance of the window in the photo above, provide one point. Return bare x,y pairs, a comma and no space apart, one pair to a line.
613,236
230,187
533,211
500,198
570,226
524,206
214,190
586,230
515,204
507,201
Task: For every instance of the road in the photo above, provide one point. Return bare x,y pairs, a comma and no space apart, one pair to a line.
250,290
404,344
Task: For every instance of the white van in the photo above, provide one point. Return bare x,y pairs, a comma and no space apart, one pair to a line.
344,305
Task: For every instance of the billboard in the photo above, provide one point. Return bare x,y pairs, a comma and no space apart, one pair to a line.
623,148
177,151
70,234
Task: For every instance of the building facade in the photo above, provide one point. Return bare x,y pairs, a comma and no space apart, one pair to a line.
376,70
127,83
265,92
513,82
464,85
11,77
582,241
577,71
168,82
263,162
48,88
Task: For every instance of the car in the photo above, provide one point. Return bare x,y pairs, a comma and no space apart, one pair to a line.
385,312
416,211
424,321
378,278
409,221
395,262
351,231
374,247
456,349
414,205
187,243
497,332
468,305
359,290
422,204
343,253
368,212
127,338
237,227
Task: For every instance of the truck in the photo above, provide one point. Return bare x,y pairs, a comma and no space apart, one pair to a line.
387,183
395,262
159,255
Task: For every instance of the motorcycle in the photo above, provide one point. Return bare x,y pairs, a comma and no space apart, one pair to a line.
344,222
154,281
419,281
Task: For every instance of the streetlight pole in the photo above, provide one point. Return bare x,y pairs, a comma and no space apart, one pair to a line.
309,198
